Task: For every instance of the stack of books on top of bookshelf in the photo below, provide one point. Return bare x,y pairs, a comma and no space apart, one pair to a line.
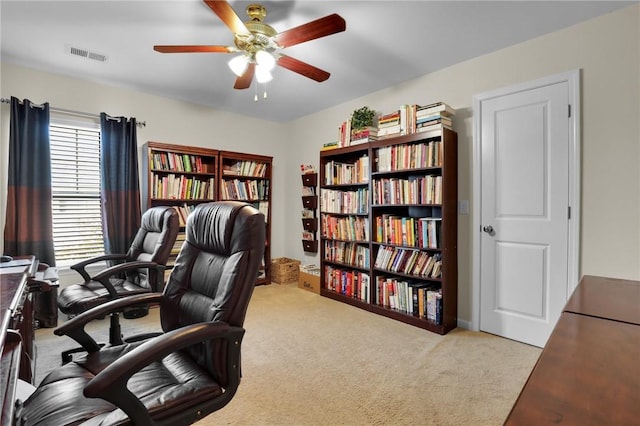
408,119
390,124
436,116
365,135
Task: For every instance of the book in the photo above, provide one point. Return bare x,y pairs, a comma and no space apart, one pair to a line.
437,107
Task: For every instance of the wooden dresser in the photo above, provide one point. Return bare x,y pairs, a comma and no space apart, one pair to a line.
589,370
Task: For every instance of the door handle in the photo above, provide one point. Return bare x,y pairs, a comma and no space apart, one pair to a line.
488,229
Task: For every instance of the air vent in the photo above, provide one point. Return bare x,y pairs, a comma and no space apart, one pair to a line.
85,53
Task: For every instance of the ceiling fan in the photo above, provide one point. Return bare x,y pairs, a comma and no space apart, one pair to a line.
260,46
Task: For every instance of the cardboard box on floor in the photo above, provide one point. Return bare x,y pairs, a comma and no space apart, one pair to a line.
309,278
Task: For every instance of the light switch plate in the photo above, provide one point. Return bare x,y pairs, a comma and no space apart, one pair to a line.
463,206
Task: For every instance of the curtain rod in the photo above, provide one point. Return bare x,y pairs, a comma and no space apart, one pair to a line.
71,112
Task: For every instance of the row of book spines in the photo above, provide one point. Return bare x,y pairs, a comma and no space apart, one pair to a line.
345,228
173,161
347,282
347,253
338,173
263,207
408,231
244,190
177,245
245,168
418,299
349,202
409,262
414,190
182,188
409,156
183,213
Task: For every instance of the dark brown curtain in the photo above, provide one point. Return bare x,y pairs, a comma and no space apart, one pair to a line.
120,188
28,228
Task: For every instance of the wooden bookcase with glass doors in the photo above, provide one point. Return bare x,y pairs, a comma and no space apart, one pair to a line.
388,228
185,176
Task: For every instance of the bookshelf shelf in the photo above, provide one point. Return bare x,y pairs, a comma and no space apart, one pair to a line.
247,177
310,211
403,191
211,175
181,177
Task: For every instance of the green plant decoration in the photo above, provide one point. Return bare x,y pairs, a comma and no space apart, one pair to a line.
362,118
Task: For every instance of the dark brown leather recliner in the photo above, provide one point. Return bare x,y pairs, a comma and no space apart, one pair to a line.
140,270
189,370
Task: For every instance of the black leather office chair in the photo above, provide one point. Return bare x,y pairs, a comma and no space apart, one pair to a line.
140,270
189,370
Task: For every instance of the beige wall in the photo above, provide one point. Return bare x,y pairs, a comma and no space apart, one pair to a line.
605,49
166,121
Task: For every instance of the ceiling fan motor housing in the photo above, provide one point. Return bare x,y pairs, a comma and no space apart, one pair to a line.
261,33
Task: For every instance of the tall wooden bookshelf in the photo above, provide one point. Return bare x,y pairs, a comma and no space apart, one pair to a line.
182,177
388,211
247,177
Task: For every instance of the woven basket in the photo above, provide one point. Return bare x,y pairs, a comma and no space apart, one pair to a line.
284,270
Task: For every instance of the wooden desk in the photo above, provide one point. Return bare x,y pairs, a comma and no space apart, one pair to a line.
589,370
607,298
16,319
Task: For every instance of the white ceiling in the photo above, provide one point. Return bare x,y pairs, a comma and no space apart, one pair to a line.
386,42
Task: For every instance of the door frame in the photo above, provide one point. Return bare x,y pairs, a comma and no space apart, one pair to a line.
573,256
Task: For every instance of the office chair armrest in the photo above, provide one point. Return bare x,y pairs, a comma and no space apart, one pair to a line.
80,266
104,275
74,328
111,383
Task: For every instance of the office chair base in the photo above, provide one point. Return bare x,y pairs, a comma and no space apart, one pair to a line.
136,312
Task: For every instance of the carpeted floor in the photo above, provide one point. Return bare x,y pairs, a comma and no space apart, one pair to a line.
308,360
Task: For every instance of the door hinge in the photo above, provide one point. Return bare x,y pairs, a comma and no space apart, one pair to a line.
569,110
569,212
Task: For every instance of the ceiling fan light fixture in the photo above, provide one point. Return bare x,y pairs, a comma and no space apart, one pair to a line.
265,60
239,64
263,75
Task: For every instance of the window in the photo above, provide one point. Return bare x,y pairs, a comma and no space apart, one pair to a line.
75,181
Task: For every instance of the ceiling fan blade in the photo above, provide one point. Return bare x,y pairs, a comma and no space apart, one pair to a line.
302,68
322,27
244,81
227,15
193,49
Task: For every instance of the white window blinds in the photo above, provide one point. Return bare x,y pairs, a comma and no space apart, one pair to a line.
75,178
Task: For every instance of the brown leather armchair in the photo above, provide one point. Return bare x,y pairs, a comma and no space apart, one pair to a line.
189,370
140,270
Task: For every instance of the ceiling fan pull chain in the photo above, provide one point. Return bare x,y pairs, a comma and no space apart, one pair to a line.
265,91
255,96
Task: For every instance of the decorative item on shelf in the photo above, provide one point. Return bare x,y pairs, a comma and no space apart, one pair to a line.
360,128
310,203
362,118
363,128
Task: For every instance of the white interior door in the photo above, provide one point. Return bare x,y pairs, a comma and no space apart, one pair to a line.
525,210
